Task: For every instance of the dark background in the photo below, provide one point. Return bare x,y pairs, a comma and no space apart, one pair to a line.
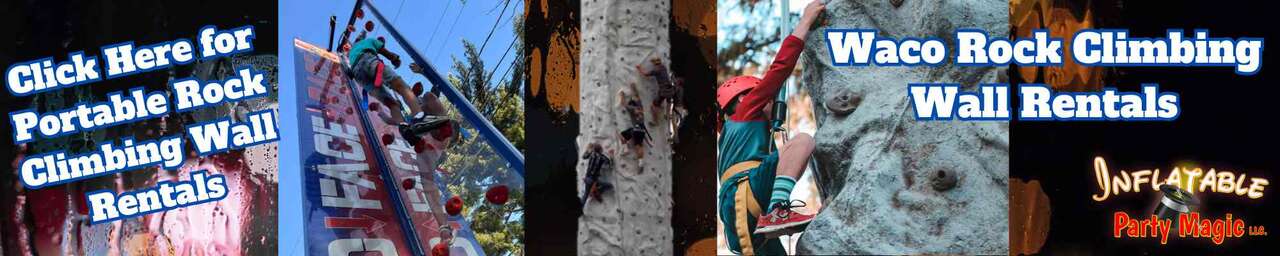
1226,123
551,192
32,29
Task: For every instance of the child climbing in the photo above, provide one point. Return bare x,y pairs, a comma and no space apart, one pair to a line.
368,68
756,184
670,98
427,115
597,164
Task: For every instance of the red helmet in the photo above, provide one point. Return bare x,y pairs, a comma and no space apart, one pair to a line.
734,87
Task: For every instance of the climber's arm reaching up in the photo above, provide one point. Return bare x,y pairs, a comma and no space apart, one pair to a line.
811,12
751,105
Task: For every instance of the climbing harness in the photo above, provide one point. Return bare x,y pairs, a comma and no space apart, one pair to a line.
670,98
637,135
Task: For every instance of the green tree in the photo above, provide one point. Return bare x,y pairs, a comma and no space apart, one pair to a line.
747,38
472,164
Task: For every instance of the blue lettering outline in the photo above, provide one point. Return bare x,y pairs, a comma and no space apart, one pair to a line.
54,65
253,34
201,84
1177,104
98,150
90,105
190,180
229,136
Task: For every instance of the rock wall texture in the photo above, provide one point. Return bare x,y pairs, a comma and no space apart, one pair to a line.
894,185
635,217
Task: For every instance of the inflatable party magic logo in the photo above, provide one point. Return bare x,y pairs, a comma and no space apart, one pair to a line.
1176,211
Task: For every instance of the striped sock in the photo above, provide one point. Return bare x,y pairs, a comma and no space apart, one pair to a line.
782,186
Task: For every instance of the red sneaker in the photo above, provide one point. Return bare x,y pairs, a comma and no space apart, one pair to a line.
782,220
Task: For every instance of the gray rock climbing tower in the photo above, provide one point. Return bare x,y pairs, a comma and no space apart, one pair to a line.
635,217
895,185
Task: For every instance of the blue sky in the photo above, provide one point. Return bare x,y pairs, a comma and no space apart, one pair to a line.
434,27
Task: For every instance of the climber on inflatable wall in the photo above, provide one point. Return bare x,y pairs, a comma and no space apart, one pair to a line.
756,183
426,112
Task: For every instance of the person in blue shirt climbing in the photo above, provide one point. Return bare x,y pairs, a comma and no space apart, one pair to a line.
368,68
424,108
756,184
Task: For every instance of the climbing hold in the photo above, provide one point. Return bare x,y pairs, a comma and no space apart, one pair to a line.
440,249
843,102
420,145
373,106
417,88
943,180
368,25
359,14
387,139
497,194
329,115
351,111
407,184
442,133
895,3
454,206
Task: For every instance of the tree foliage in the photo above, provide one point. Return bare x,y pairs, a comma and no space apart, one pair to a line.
749,30
473,166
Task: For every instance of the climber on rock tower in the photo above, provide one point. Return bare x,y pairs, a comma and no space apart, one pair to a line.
756,184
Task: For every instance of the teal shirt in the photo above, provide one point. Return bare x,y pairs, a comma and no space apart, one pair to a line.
741,141
366,45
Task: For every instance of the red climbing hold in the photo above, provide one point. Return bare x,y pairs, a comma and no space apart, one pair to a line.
407,184
497,194
387,139
417,88
440,250
373,106
351,111
444,132
454,206
420,145
368,25
359,14
328,115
